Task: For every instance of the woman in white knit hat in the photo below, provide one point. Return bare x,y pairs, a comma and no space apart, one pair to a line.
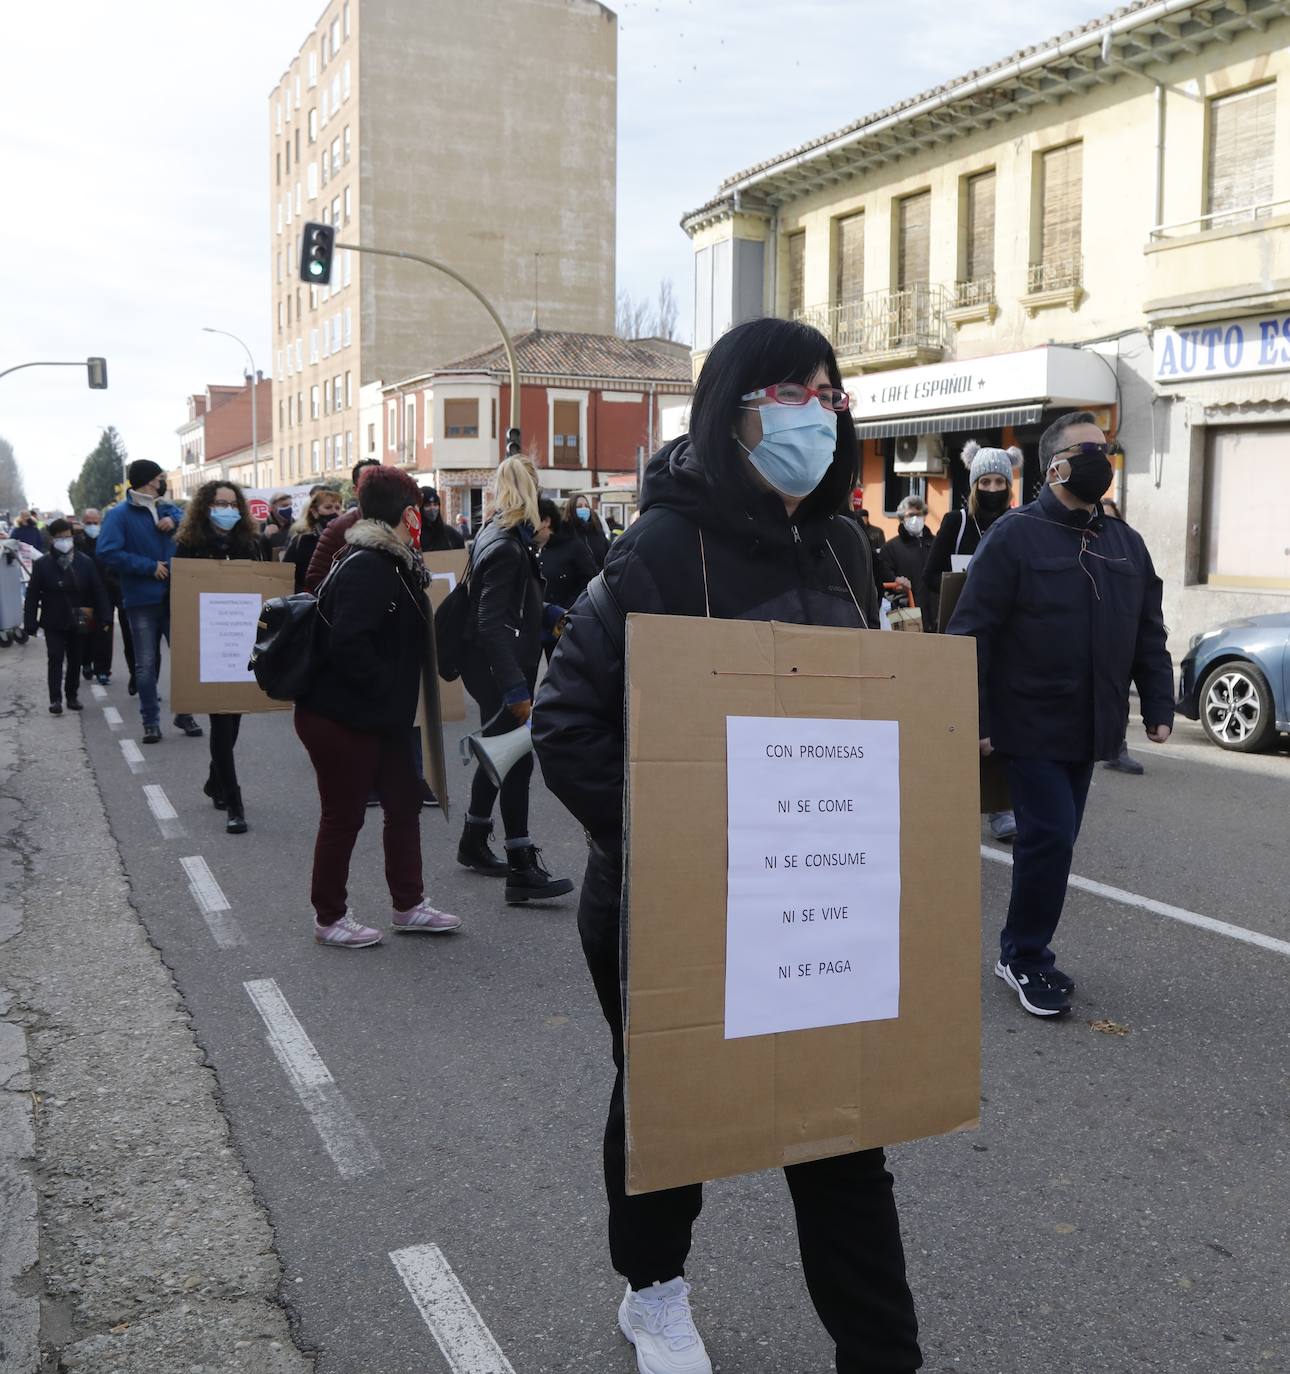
991,472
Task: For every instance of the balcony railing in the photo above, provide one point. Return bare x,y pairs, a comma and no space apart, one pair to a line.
911,318
977,291
1220,219
1059,274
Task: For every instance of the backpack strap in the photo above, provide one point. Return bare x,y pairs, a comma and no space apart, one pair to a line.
608,612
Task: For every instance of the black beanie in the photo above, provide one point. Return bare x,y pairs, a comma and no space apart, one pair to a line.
141,472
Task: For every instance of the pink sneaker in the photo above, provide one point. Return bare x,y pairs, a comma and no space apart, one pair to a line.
423,917
348,933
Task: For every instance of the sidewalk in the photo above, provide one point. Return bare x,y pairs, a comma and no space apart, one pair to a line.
130,1238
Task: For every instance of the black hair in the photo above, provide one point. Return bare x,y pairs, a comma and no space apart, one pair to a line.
359,466
59,526
746,358
1050,441
548,510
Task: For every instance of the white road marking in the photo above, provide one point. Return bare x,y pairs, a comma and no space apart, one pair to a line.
112,716
446,1308
133,755
342,1134
163,812
98,691
212,902
1174,913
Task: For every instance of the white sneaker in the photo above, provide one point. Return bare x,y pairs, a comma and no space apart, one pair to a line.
658,1323
347,933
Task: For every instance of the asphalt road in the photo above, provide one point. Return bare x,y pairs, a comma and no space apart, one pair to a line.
1122,1208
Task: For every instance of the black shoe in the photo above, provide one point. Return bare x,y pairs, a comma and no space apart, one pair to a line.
55,708
74,704
103,679
87,673
528,879
132,686
189,726
1126,763
212,789
152,734
236,823
1038,992
428,797
473,852
1062,981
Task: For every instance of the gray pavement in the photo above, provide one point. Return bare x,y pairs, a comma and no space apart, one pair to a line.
1121,1209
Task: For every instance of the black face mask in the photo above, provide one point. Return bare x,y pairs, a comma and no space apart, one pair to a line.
324,521
1091,476
161,489
992,504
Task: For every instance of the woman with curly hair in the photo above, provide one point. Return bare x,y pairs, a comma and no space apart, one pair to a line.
217,524
323,508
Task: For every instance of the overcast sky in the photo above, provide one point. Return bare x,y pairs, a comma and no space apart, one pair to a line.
133,151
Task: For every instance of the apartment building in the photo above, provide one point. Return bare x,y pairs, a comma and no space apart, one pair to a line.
215,441
489,145
1101,221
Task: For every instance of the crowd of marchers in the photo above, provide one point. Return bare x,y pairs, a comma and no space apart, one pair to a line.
747,516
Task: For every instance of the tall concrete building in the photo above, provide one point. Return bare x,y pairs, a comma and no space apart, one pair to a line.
489,144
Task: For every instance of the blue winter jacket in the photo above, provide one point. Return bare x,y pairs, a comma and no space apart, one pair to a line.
131,545
1065,609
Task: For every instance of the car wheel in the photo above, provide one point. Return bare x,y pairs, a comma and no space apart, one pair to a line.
1236,707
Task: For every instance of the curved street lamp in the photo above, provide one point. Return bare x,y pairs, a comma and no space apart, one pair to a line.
255,437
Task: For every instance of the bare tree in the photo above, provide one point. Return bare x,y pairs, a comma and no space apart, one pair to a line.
632,317
665,311
13,496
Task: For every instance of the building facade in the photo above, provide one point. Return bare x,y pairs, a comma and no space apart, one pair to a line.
490,146
593,408
1099,222
215,440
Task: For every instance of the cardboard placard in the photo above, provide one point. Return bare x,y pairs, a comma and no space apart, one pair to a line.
214,604
446,569
702,1103
434,764
952,584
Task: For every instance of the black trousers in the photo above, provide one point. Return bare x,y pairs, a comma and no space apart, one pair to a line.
223,738
64,647
515,786
102,646
848,1231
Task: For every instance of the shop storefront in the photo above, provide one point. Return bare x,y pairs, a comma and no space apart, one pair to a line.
914,423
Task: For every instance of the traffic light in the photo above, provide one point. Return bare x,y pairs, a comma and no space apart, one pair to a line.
316,245
513,443
97,369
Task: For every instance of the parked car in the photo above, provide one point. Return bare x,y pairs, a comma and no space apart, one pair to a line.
1236,681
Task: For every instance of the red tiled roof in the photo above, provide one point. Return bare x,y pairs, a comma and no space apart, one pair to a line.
558,353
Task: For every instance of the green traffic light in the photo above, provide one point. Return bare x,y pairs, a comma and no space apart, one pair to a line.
315,269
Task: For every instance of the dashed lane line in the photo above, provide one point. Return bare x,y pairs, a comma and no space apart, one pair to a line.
113,717
212,903
445,1307
163,812
342,1134
98,691
1173,913
133,755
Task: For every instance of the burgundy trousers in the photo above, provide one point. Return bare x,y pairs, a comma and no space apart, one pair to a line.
350,765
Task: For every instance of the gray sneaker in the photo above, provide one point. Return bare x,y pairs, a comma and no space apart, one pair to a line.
1003,825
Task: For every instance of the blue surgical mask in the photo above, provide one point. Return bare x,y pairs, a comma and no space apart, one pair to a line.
797,445
92,531
583,513
224,518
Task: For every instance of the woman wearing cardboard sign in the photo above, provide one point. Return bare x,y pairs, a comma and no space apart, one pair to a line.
740,519
218,524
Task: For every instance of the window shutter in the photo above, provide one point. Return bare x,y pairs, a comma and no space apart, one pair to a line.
796,274
915,242
564,425
1062,191
849,283
1241,135
979,264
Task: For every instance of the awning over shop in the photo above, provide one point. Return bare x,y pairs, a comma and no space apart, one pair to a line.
955,421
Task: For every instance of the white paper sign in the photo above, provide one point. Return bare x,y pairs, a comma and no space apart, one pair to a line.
959,562
449,577
226,623
813,873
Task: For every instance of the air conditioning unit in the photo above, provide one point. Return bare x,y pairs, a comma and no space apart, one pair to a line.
922,454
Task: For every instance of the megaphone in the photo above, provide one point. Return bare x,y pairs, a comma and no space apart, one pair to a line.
497,754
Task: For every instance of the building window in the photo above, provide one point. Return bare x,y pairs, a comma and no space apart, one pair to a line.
913,240
1242,131
1058,265
349,390
565,426
282,315
346,266
349,333
461,419
326,166
335,34
313,456
335,212
277,266
327,451
313,403
313,353
976,274
345,143
349,447
313,69
287,146
409,449
300,407
796,274
281,371
313,125
279,217
277,169
346,205
277,117
344,71
1247,509
297,146
848,276
391,425
371,438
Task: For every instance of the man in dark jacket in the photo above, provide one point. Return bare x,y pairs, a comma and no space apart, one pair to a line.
27,531
137,543
903,558
332,540
277,528
64,595
437,536
1065,608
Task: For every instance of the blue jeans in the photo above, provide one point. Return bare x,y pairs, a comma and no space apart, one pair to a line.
148,626
1048,798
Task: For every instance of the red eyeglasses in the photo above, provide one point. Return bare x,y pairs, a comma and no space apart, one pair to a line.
796,394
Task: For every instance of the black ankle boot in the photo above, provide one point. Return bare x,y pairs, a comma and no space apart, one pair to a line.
528,880
214,791
236,823
473,852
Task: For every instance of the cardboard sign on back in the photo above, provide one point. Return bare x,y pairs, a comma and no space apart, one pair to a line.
214,606
841,765
446,569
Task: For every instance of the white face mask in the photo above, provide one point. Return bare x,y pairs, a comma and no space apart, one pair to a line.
914,524
63,545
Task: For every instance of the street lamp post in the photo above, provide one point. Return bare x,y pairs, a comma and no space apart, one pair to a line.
255,435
